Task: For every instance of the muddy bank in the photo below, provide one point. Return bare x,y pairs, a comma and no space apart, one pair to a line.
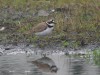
24,48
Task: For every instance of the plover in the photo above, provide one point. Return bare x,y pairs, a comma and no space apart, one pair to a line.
43,28
46,64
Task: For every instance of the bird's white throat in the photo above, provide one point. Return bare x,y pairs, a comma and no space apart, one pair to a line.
52,24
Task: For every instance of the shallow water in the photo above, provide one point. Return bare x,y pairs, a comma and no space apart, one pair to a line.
19,64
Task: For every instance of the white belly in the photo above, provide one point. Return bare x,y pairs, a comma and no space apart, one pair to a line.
45,32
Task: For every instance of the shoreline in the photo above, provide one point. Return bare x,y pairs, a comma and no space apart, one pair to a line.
23,48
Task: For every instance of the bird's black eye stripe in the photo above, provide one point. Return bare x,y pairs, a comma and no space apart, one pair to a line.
51,22
50,26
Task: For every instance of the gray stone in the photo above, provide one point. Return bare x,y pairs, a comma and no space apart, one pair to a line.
43,13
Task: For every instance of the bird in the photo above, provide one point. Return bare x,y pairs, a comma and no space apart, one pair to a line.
46,64
43,28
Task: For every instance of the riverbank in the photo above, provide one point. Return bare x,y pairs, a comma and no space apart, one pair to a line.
30,49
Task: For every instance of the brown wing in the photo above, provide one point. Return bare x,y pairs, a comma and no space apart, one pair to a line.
40,27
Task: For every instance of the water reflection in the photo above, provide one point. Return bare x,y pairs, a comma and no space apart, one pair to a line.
21,64
45,64
77,68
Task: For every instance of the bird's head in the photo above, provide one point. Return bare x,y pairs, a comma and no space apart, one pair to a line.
50,23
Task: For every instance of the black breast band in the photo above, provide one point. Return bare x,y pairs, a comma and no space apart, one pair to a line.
50,26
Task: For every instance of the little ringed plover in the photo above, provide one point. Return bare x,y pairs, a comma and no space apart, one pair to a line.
43,28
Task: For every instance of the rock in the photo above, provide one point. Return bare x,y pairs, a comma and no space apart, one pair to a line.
2,28
17,15
63,9
43,13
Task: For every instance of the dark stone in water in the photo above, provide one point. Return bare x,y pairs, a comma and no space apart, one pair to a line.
7,48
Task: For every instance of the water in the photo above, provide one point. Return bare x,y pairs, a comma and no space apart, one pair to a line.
20,64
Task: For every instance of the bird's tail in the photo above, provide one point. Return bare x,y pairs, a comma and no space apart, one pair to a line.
29,33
